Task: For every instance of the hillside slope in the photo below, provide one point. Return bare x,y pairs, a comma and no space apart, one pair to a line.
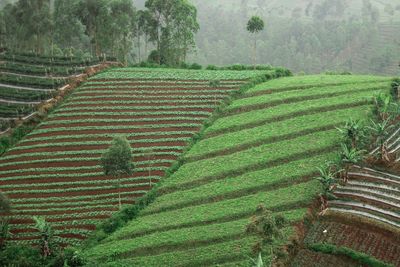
264,149
55,171
28,80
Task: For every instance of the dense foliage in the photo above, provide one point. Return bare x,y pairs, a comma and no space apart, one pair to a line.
97,27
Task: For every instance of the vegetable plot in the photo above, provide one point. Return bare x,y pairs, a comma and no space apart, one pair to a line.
55,171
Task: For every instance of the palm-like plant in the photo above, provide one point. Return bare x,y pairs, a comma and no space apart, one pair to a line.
327,179
4,233
4,203
382,104
380,130
353,132
350,156
46,233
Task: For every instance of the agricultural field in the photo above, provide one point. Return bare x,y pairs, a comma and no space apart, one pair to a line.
27,80
263,149
55,170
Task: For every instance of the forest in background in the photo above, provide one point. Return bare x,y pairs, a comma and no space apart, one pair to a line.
360,36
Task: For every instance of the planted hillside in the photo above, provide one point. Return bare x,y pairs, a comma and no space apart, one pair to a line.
360,208
262,149
55,171
27,80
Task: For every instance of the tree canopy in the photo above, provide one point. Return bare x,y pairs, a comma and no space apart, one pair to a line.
117,160
255,24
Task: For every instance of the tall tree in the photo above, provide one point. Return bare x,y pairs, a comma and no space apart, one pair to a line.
173,24
117,160
123,27
34,20
94,15
254,26
69,31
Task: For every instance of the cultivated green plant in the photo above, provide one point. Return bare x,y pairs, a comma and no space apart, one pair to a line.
117,161
268,228
46,233
353,132
380,131
327,178
349,157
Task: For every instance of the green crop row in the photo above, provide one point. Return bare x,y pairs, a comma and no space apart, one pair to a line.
139,73
120,85
121,121
130,102
276,129
137,96
84,190
139,141
39,70
81,159
107,135
71,169
227,123
73,215
77,199
51,154
30,81
51,61
316,80
119,127
256,155
66,108
170,238
14,110
24,95
316,91
148,113
136,90
79,204
287,174
240,248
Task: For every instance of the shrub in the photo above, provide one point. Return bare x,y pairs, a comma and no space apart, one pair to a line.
195,66
211,67
4,125
394,91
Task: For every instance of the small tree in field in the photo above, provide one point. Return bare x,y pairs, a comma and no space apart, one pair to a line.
268,229
117,161
255,25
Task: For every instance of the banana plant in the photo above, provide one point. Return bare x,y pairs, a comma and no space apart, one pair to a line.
46,233
349,157
380,131
352,132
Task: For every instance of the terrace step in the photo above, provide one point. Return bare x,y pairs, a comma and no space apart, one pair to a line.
365,214
368,172
393,142
19,102
33,76
390,202
25,88
354,205
376,186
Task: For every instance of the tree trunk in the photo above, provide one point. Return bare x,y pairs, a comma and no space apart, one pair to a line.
119,198
255,52
139,55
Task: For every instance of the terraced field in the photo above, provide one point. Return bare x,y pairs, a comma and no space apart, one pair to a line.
263,149
55,171
27,80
